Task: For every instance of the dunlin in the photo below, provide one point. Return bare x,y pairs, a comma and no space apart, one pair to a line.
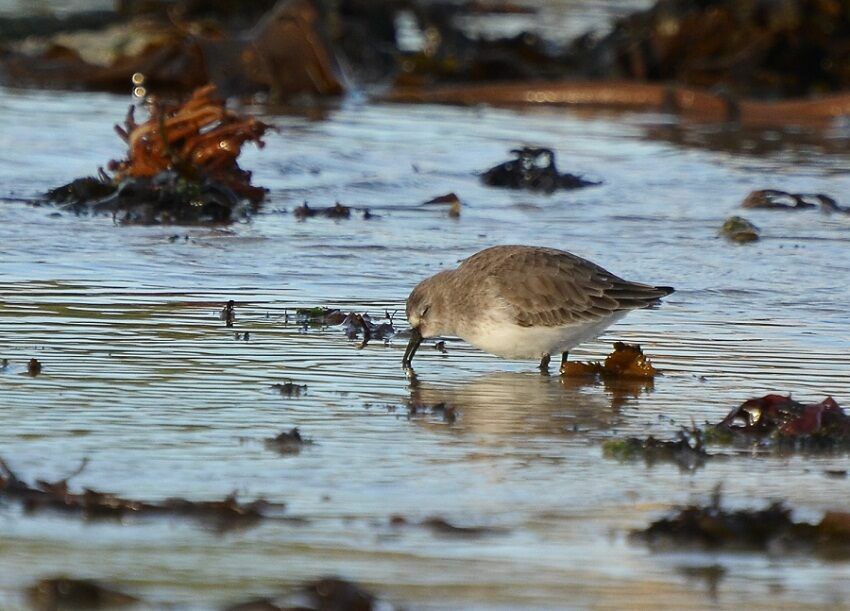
523,302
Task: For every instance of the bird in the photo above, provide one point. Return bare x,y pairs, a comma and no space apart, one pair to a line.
523,302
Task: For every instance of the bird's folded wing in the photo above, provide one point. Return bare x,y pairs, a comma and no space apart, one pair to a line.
552,292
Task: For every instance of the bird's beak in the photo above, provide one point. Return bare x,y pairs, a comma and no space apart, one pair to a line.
412,345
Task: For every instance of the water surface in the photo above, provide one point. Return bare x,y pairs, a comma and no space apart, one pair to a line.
143,378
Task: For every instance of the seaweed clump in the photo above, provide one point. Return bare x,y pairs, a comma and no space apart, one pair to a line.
782,422
713,527
687,450
625,361
288,442
181,167
533,169
353,324
92,504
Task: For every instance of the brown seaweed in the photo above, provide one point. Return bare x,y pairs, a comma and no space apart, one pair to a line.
712,527
93,505
181,167
626,361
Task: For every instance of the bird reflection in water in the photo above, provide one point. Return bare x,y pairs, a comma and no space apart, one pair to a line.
523,402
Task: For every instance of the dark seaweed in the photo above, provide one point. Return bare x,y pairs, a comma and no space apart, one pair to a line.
92,504
533,169
712,527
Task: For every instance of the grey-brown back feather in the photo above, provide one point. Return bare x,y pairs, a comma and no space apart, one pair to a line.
549,287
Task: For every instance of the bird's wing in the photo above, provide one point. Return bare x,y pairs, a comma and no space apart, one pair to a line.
551,288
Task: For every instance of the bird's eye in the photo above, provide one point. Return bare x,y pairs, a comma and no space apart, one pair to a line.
425,311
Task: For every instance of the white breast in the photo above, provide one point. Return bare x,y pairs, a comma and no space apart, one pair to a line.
512,341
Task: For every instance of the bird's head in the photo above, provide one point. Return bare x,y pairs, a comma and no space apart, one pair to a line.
425,312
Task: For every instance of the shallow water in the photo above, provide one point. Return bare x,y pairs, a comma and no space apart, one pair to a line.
143,378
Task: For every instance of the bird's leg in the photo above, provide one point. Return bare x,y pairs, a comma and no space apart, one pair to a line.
544,363
564,356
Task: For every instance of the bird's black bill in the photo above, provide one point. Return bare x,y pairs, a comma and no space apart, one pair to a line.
412,346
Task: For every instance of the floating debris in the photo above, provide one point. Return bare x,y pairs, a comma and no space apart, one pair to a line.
34,367
773,199
770,529
625,361
54,593
780,421
180,168
325,594
228,313
740,230
687,451
290,389
91,504
533,169
337,211
288,442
